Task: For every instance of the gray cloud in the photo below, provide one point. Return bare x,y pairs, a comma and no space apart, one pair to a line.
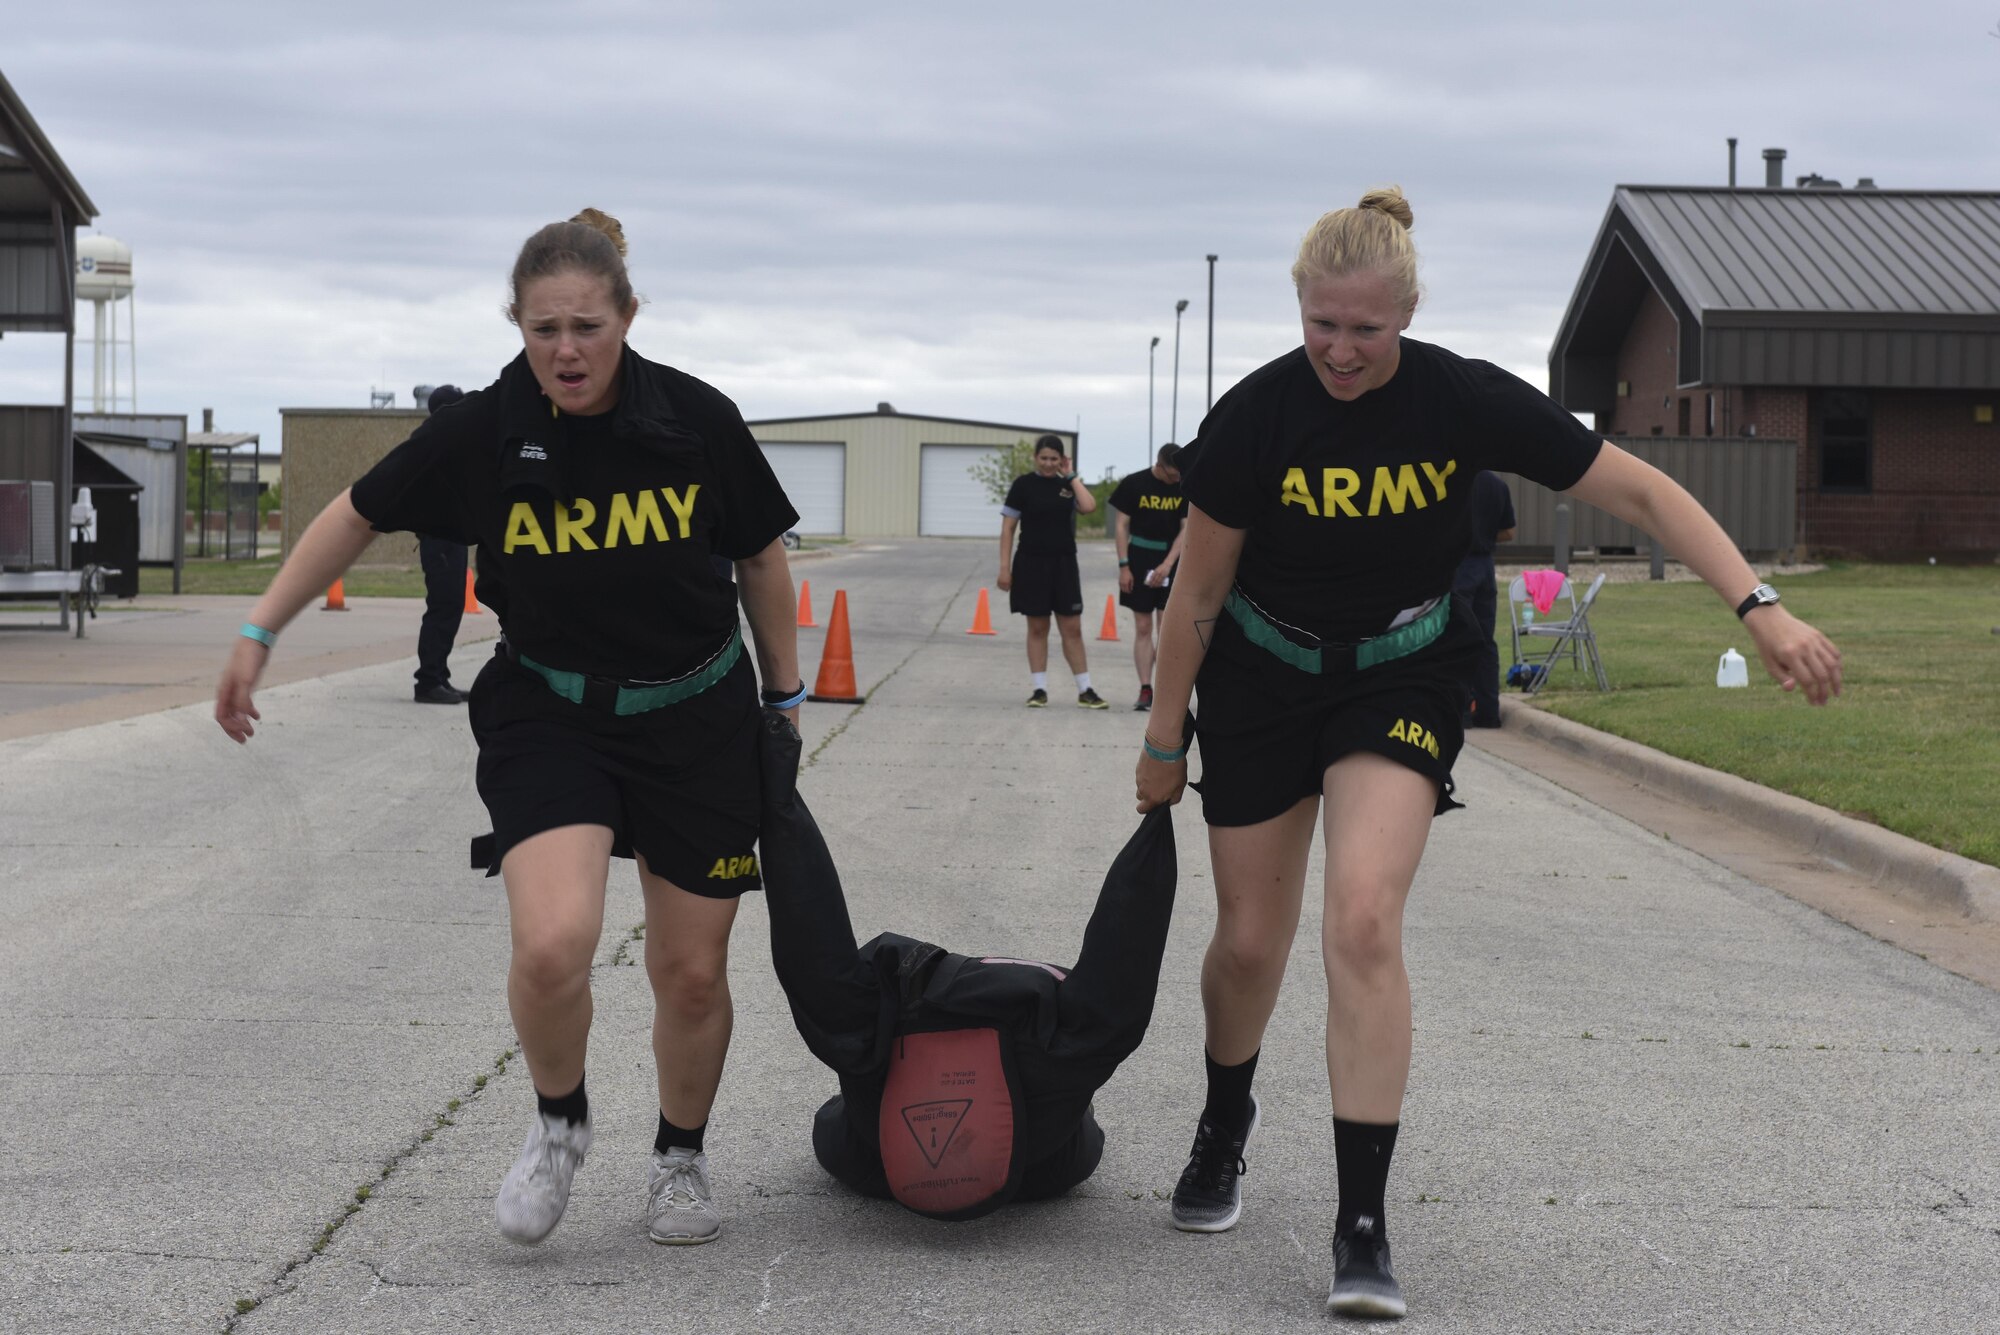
982,213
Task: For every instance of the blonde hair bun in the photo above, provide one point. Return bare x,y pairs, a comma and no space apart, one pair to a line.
1384,199
605,223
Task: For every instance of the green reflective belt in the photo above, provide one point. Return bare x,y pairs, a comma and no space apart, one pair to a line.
1398,643
571,686
1147,544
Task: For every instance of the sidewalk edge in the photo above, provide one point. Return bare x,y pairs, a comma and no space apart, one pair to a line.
1897,863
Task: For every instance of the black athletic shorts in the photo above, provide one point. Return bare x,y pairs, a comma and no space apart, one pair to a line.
677,786
1144,597
1267,732
1045,585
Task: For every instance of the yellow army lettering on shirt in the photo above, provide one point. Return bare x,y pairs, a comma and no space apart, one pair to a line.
1416,735
1162,502
1398,488
631,518
728,869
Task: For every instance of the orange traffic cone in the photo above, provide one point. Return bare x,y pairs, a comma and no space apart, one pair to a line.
335,602
806,604
982,617
471,603
1109,631
835,684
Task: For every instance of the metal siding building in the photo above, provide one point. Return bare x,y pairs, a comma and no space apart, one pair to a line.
884,458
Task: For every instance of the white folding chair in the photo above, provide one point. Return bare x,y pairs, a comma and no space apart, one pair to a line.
1573,634
1521,613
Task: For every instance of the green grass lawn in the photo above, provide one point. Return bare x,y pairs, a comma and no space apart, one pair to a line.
253,577
1913,744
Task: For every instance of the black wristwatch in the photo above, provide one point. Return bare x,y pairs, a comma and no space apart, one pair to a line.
1761,596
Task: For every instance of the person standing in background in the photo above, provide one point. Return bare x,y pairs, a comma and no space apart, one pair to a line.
443,564
1492,524
1040,580
1150,511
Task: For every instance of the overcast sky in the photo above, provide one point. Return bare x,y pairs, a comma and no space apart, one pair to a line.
969,211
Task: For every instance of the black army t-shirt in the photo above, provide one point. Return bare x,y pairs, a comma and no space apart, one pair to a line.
1358,510
1046,507
1154,507
594,533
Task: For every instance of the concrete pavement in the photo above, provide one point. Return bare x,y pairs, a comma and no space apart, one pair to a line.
247,989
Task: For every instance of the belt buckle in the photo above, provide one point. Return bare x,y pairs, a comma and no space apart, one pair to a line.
601,693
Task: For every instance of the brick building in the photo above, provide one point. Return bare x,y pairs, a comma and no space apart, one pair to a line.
1863,324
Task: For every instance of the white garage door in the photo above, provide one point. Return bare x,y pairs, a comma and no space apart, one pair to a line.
950,504
815,477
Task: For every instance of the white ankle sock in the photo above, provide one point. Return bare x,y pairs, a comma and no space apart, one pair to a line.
1083,681
1041,680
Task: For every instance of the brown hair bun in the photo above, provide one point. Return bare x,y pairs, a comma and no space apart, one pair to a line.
1384,199
608,225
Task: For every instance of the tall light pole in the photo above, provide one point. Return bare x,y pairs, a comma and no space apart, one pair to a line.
1174,421
1150,353
1211,331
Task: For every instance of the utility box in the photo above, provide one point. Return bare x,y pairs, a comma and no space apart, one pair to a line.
27,525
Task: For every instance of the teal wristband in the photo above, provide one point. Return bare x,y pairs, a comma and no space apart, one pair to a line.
1168,757
267,638
1124,563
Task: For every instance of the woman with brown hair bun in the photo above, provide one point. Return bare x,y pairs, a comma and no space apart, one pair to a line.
619,716
1328,508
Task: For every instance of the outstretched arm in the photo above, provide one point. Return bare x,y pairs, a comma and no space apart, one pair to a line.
1107,1001
836,999
1794,653
331,543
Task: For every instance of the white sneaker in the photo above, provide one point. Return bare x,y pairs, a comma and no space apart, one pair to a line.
680,1208
536,1190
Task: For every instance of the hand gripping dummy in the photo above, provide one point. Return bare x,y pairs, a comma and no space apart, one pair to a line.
965,1081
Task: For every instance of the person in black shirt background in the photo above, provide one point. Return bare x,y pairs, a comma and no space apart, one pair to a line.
443,564
1327,512
1150,510
1041,580
619,717
1492,524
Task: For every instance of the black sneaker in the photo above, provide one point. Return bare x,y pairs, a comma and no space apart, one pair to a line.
1209,1196
1090,699
1039,699
1145,705
441,695
1362,1282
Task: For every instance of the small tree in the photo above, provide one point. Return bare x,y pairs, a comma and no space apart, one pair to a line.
997,469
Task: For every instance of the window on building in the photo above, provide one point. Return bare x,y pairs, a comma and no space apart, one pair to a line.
1711,415
1682,429
1846,428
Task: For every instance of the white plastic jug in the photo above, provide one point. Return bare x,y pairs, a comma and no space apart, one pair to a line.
1732,670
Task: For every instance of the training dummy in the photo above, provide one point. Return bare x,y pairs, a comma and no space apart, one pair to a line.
965,1081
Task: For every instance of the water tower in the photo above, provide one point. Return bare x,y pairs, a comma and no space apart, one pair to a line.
104,279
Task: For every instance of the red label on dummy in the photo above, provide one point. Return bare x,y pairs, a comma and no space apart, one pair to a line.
947,1124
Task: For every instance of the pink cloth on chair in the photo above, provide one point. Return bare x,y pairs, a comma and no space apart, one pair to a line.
1544,587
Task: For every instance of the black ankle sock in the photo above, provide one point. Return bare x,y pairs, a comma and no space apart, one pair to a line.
671,1137
1229,1094
572,1107
1361,1153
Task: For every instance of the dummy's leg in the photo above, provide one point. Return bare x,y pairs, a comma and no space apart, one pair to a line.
836,998
1107,1000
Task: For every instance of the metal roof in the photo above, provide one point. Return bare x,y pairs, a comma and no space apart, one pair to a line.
30,171
1860,288
1929,252
220,440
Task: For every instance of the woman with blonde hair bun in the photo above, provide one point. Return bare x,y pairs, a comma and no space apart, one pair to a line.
619,715
1328,501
